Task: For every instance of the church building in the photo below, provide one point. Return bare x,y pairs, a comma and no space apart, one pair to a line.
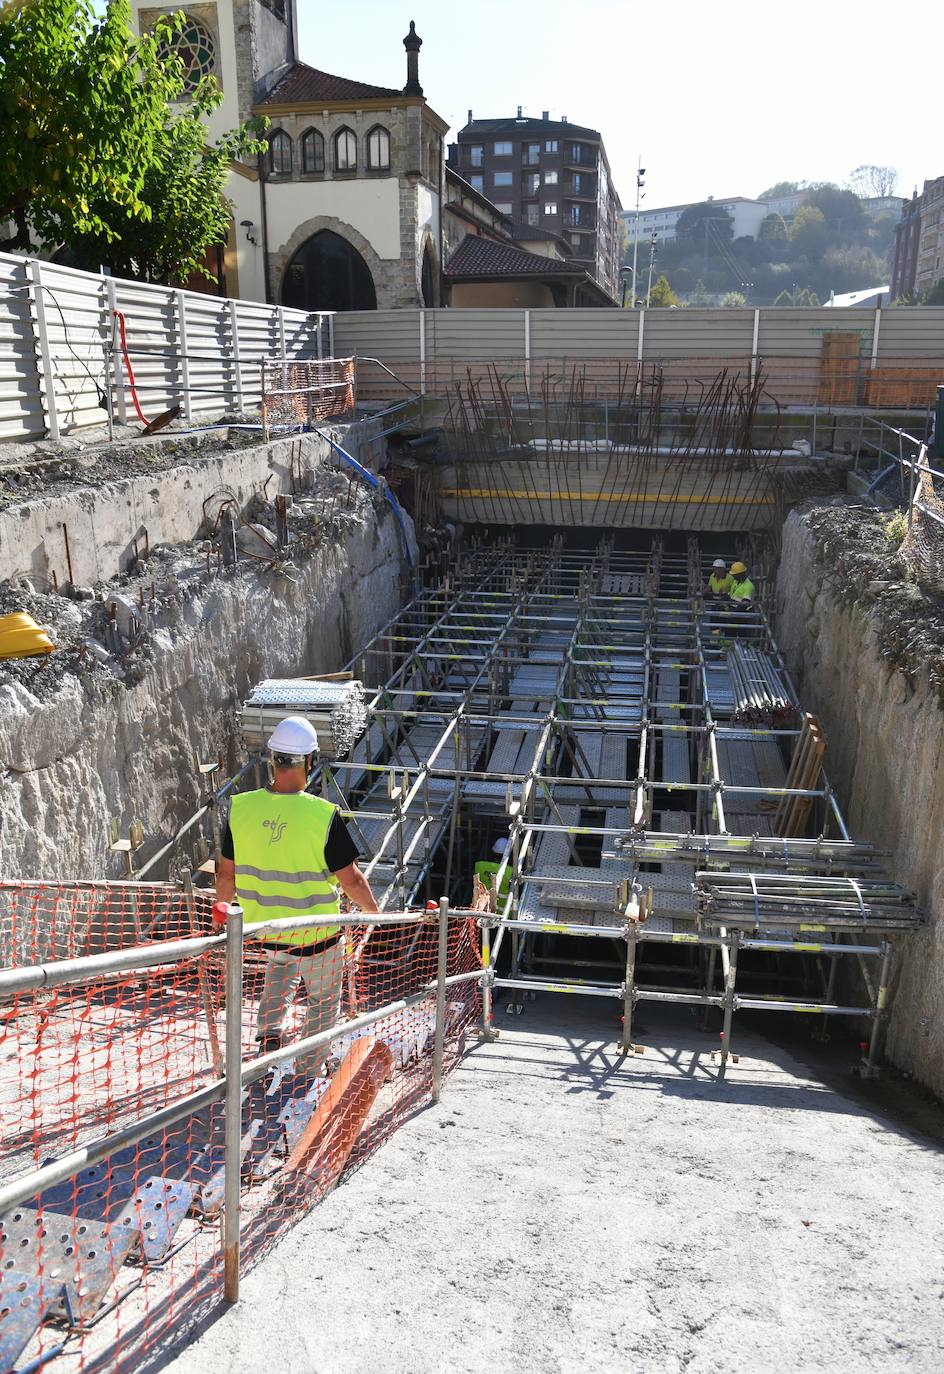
344,212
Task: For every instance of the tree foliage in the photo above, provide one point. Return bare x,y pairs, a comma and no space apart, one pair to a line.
808,232
96,159
774,229
781,188
934,294
691,224
870,180
662,293
733,299
842,210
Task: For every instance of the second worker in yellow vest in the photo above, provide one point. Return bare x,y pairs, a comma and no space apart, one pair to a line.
742,588
285,853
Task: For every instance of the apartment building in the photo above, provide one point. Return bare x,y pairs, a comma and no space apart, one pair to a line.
747,216
548,174
919,242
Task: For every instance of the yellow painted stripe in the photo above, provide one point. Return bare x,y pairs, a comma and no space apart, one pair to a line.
639,496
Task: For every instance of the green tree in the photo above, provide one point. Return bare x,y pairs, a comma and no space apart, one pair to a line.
934,294
842,210
734,298
692,223
699,296
774,229
662,293
96,159
781,188
808,232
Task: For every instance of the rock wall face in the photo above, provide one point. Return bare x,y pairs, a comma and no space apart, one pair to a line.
98,749
885,735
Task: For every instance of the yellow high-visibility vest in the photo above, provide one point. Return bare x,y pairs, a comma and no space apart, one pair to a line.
743,590
279,842
720,586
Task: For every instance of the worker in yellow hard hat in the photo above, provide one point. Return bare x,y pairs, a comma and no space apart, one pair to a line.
742,588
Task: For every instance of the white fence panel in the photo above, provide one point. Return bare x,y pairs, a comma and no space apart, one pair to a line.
21,400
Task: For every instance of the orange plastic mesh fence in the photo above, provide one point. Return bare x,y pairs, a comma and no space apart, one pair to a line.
306,393
126,1253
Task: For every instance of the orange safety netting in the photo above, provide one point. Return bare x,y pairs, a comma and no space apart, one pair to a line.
126,1252
306,393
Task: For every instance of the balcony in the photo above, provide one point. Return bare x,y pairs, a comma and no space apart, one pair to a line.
584,192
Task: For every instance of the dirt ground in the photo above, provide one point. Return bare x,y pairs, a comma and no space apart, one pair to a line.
563,1211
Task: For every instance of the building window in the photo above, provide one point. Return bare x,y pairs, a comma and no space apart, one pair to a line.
577,152
279,159
195,49
475,155
533,214
551,145
378,149
533,182
550,208
477,183
502,179
312,153
502,208
345,151
550,178
502,150
574,214
578,184
533,154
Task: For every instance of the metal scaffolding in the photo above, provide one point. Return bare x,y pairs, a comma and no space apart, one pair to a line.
639,748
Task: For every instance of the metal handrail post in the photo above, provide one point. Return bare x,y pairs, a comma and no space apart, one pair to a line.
730,982
441,965
233,1102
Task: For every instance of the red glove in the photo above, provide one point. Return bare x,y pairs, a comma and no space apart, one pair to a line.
219,914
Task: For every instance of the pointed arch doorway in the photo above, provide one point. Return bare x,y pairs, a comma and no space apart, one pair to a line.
328,273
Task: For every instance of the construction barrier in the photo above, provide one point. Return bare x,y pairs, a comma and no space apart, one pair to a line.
116,1103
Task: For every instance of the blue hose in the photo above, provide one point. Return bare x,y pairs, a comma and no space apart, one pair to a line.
886,472
374,481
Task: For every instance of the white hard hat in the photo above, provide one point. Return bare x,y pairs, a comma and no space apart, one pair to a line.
294,735
719,563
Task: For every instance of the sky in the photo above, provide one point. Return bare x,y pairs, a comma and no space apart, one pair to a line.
719,99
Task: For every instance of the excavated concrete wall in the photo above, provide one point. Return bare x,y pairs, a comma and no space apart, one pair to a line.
885,756
104,518
100,749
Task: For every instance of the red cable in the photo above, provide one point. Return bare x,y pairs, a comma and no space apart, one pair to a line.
124,353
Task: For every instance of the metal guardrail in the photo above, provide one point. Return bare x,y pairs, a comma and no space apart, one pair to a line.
228,1089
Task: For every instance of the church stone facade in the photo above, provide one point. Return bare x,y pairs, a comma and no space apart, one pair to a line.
345,210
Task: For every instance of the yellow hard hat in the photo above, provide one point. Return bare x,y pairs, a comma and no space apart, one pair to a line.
738,568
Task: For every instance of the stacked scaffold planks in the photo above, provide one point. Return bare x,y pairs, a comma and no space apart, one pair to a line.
806,770
334,706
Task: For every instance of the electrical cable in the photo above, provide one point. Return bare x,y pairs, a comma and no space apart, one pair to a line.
124,352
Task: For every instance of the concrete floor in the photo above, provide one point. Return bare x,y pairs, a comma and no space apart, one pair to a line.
561,1211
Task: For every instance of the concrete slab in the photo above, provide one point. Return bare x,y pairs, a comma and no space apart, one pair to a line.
565,1211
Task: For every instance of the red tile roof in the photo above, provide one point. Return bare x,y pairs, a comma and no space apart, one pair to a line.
302,84
479,257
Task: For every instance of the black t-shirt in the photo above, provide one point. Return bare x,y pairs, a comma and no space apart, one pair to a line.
340,849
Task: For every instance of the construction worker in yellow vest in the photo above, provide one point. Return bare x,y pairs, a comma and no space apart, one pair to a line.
285,853
720,581
742,588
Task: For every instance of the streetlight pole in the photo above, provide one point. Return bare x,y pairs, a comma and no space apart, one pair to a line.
652,258
640,173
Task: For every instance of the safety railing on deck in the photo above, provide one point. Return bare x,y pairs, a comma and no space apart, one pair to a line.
146,1097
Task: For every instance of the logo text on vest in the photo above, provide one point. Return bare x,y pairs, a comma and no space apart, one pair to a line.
276,827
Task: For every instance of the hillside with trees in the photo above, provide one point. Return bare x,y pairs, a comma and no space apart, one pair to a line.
829,245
